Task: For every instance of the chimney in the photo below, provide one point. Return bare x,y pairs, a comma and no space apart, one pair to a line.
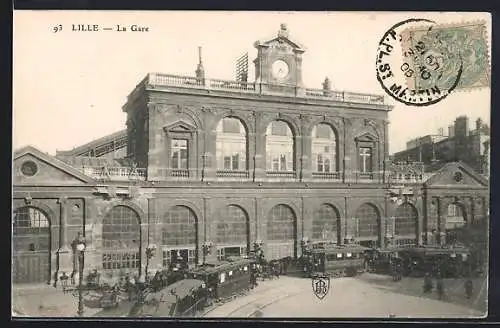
451,131
441,132
479,123
327,87
200,71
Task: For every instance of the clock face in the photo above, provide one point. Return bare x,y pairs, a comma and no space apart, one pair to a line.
280,69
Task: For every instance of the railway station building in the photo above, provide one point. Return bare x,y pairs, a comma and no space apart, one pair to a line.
224,164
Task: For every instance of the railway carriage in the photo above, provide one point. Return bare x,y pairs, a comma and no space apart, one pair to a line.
225,279
337,260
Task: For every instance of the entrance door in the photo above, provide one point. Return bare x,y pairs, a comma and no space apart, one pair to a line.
31,246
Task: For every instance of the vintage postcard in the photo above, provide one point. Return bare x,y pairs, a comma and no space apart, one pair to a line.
250,164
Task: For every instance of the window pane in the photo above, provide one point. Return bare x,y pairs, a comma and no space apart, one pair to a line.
281,224
231,145
230,125
232,228
365,159
367,217
279,128
121,238
323,131
178,227
406,220
325,221
324,145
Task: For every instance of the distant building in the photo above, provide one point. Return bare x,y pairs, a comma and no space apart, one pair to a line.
461,144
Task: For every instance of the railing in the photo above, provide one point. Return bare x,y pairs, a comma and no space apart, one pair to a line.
119,173
365,177
281,174
326,175
173,174
232,174
345,96
165,80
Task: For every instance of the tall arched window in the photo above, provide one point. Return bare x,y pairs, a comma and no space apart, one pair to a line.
231,146
179,235
31,246
121,239
326,223
232,232
324,149
279,147
281,232
367,219
455,223
405,224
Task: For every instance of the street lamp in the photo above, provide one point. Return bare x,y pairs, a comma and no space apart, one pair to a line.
80,245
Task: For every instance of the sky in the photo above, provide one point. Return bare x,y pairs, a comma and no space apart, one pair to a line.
69,87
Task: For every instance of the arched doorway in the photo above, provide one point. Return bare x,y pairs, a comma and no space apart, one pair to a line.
281,232
121,241
406,225
368,225
31,246
455,224
232,236
179,236
326,223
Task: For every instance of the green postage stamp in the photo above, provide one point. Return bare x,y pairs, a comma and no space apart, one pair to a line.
441,54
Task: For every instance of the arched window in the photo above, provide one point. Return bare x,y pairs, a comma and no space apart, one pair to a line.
279,147
30,246
406,223
367,217
31,230
281,232
232,232
325,223
324,149
455,222
179,235
406,220
231,145
121,239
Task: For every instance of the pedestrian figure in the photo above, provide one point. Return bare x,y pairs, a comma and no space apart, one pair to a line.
468,288
440,288
427,283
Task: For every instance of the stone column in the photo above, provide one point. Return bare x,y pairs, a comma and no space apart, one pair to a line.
64,258
260,150
305,159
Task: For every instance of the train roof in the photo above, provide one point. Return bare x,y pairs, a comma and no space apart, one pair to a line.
340,248
230,263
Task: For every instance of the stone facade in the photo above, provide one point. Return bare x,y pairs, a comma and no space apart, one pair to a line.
182,209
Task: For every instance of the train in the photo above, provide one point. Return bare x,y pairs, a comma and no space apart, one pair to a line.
335,260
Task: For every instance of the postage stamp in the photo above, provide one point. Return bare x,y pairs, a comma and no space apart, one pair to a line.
438,51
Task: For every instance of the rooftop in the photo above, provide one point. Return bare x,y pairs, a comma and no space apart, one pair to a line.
207,86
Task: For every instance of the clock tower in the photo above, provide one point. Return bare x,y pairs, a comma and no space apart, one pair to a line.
278,66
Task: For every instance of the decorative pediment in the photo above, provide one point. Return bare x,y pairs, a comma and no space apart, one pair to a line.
366,137
282,42
179,126
456,174
35,167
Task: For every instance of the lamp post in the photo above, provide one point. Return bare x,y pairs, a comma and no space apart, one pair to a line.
79,243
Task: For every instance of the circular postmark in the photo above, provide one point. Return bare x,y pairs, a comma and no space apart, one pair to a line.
426,68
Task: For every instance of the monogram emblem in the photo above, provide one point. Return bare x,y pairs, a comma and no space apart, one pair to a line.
321,285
